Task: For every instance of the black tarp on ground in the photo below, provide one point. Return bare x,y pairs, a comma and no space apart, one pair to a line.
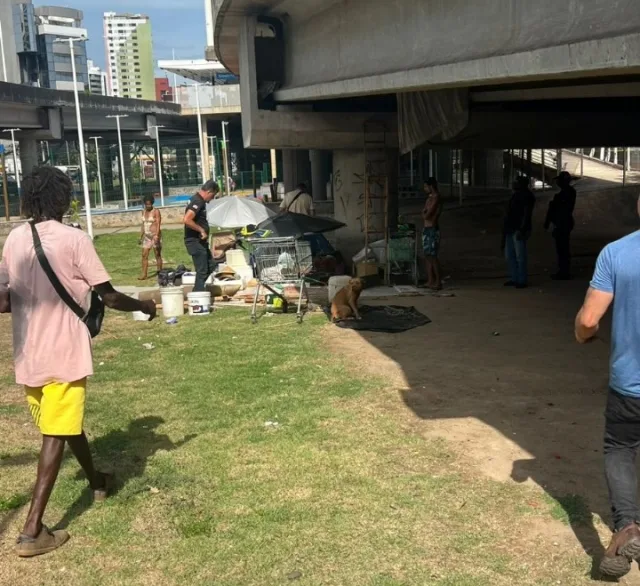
391,319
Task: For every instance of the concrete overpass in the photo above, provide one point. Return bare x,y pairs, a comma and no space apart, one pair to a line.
489,74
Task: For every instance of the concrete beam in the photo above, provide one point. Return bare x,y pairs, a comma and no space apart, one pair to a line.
293,129
597,58
11,93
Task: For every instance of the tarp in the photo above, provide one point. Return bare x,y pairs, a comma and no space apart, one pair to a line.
426,115
391,319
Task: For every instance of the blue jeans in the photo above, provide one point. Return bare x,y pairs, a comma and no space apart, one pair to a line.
515,252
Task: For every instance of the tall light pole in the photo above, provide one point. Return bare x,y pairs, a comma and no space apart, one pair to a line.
225,159
197,86
4,61
123,179
15,158
175,79
96,139
83,159
159,158
213,157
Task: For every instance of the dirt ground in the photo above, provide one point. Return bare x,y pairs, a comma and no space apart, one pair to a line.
499,376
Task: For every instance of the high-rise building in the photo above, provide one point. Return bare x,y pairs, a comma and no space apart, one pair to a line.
97,79
54,26
19,42
129,52
164,91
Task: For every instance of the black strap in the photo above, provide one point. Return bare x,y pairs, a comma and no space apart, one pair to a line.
294,199
57,285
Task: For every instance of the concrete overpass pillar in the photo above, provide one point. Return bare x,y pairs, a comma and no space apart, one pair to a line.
28,155
320,172
348,196
295,168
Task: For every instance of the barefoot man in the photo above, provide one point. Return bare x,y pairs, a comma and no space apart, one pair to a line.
431,233
150,236
51,345
617,280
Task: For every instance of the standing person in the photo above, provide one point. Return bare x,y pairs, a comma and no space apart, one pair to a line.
431,233
298,201
150,236
196,233
51,345
617,279
560,216
516,232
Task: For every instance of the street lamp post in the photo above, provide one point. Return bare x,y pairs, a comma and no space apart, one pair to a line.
123,179
96,139
4,61
213,157
15,157
197,85
83,159
159,158
225,159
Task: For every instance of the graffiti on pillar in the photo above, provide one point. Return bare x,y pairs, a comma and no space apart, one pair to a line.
337,181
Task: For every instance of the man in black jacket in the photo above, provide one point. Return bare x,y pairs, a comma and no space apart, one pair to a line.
516,232
196,233
560,215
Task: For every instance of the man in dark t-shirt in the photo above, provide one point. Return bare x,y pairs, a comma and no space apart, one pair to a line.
196,233
560,216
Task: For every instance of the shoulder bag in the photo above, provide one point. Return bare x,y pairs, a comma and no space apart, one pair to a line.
92,318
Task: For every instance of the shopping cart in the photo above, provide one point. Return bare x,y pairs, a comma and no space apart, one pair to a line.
280,261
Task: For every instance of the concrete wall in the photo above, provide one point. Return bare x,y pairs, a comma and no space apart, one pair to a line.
356,38
11,57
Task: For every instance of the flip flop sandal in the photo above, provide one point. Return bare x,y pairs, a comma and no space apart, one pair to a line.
101,494
45,542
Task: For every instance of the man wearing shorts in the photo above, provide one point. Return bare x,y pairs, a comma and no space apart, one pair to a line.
431,233
51,345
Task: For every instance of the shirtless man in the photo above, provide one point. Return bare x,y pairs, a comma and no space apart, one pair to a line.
431,233
150,235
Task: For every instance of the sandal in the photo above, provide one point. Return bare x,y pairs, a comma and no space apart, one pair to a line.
45,542
101,494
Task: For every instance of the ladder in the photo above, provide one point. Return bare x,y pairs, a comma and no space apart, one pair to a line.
376,190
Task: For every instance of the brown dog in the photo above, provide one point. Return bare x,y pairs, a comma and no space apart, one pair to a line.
345,303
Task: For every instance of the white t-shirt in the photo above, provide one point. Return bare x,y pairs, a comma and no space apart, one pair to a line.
302,205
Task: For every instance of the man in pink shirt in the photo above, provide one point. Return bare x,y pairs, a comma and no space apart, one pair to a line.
51,345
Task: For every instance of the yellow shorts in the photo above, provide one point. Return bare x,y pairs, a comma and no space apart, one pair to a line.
58,408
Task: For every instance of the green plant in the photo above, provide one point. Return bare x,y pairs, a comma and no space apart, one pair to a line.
75,211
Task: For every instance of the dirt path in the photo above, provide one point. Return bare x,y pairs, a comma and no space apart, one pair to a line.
524,406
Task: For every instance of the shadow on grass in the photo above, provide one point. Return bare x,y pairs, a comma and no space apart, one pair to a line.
127,452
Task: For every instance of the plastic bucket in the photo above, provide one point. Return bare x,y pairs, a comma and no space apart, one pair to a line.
199,303
337,283
140,316
172,301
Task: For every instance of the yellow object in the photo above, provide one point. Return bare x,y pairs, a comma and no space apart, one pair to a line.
58,408
366,269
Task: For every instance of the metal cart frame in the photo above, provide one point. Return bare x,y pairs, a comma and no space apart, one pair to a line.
280,261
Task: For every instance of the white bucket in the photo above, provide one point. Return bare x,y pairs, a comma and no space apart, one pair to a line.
199,303
236,258
172,301
140,316
337,283
189,279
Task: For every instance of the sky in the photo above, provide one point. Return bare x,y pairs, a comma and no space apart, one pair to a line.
175,24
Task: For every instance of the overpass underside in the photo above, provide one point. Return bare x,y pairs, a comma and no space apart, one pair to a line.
485,75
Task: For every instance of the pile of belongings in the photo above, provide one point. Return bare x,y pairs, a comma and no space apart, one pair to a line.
168,277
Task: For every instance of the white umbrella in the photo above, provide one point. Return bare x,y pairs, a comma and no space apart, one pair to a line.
237,212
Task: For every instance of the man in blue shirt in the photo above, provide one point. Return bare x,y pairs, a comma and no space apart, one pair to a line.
617,280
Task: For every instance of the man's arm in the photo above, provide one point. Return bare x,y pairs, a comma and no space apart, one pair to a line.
121,302
188,221
158,222
588,319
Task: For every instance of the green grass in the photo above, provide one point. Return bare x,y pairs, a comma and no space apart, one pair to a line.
121,255
344,490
